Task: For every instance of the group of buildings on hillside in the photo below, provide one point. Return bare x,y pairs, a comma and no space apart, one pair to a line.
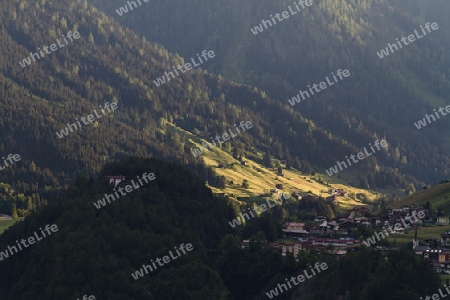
324,233
436,251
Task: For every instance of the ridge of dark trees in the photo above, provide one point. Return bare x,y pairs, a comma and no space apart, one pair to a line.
381,99
96,250
110,63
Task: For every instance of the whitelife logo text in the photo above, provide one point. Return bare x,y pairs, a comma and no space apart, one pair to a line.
128,189
49,229
300,278
85,297
360,156
187,66
123,10
379,235
423,123
65,132
10,158
411,39
262,208
197,151
285,14
27,60
322,86
436,296
140,273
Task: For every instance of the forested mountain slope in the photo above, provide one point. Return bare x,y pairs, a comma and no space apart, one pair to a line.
94,251
111,64
381,98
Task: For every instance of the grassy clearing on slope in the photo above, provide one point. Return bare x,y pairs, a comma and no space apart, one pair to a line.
432,232
444,278
6,223
438,195
262,179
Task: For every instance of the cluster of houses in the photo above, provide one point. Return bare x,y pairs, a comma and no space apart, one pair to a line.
305,238
406,211
325,233
331,236
439,259
335,193
338,192
298,237
445,239
442,221
277,189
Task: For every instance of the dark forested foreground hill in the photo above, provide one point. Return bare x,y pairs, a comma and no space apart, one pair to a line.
72,247
381,98
95,251
111,64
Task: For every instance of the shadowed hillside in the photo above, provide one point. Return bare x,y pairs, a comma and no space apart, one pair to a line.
95,250
382,98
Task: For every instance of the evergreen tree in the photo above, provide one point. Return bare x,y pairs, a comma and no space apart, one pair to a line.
32,167
235,153
245,184
363,183
306,166
29,204
266,159
14,211
287,155
297,163
222,182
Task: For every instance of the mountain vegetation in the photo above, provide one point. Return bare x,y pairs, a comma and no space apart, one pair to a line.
96,250
436,197
380,100
112,64
155,129
20,202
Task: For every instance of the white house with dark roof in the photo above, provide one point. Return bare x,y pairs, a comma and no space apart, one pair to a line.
295,229
115,180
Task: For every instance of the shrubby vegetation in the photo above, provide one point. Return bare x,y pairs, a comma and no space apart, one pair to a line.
16,204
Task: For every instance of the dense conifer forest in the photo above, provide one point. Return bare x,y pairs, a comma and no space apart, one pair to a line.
96,250
381,98
48,94
116,60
